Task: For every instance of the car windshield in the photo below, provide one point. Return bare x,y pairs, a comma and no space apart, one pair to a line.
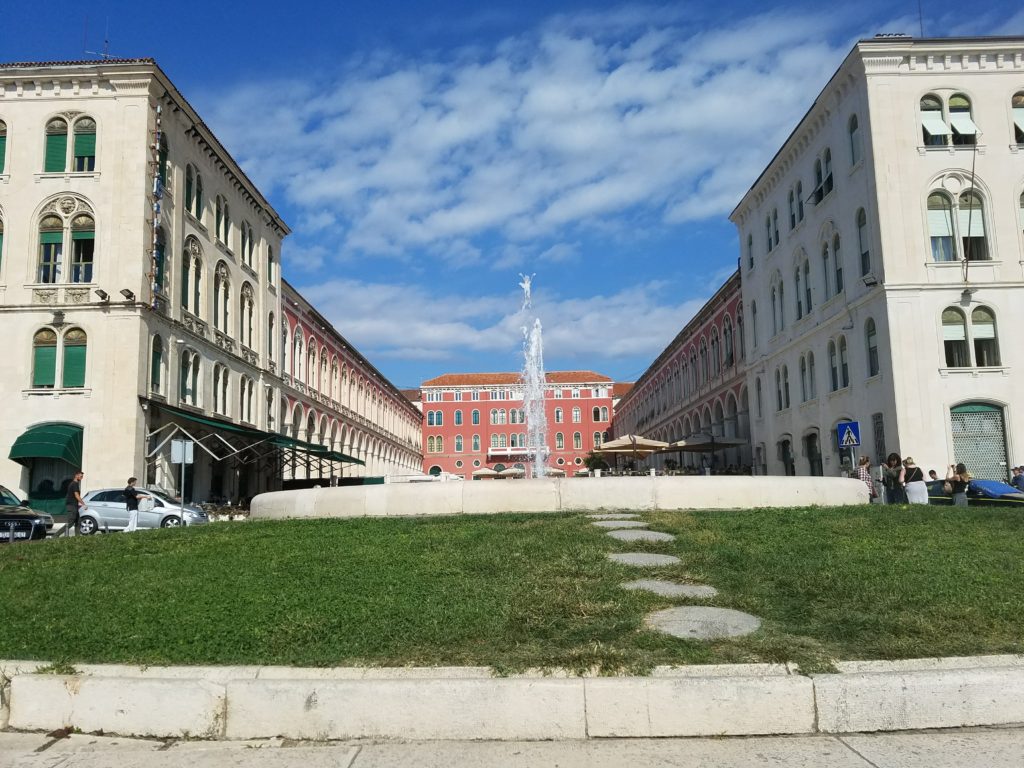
6,497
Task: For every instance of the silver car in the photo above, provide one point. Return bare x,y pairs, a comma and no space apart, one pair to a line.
107,510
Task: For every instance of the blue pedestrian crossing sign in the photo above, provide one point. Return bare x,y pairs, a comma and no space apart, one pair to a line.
848,433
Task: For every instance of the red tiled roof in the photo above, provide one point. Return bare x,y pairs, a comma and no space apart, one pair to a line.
491,379
412,395
622,388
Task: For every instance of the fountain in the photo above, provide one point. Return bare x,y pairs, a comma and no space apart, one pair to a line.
534,383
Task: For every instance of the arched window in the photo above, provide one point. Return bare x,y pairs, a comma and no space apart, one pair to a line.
246,389
51,249
494,415
768,233
246,316
502,416
1017,104
156,365
577,441
799,201
56,154
871,342
782,304
965,132
959,236
826,270
715,357
431,445
194,192
753,325
863,242
221,298
854,130
475,417
438,418
162,155
972,227
758,398
812,382
430,418
476,443
785,386
3,146
222,220
807,286
844,363
837,258
828,171
799,294
750,251
705,370
44,359
792,209
270,336
85,145
986,343
933,126
597,439
597,413
728,341
804,392
577,415
739,333
833,366
270,265
188,390
458,418
817,195
440,444
775,225
513,416
502,441
604,413
778,390
559,441
74,342
458,443
940,226
221,378
83,239
775,310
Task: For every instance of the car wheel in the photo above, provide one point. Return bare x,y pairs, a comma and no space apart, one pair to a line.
87,526
170,522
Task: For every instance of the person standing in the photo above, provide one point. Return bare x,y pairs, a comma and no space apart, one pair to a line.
913,482
131,498
1018,478
73,503
864,474
892,479
958,477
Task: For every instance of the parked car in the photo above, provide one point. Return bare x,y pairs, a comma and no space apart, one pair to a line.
18,521
107,510
980,493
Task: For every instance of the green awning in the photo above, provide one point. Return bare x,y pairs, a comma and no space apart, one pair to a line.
49,441
258,435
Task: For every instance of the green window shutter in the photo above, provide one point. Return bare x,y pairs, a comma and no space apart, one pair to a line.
50,238
44,363
3,152
85,145
56,152
74,365
83,235
154,376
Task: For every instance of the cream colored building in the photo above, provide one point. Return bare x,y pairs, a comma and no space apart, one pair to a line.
140,293
882,263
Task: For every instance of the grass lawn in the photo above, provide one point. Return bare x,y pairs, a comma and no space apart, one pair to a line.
517,591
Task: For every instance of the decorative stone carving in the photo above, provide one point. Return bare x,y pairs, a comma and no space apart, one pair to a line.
272,366
67,205
76,296
222,271
193,247
44,296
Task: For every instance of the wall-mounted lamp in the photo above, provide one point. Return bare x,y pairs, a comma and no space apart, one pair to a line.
104,296
128,295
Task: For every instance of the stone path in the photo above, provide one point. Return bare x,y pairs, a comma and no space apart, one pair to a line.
688,622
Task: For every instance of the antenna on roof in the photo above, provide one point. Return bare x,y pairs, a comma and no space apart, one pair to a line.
920,16
106,42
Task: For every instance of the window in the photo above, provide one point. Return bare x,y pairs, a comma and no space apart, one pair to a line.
871,340
559,441
792,209
457,396
502,441
785,386
758,397
823,182
728,339
854,129
161,161
753,324
739,333
440,444
474,395
826,270
577,441
933,126
246,388
799,201
458,443
559,417
494,415
159,261
838,259
775,310
85,145
476,443
430,418
1017,104
222,299
983,330
270,336
577,415
775,225
863,242
954,336
833,366
812,384
431,445
597,439
575,394
51,249
768,233
220,389
960,236
804,391
458,418
156,364
248,244
3,146
74,343
799,294
222,220
705,368
475,417
558,394
44,359
56,154
439,418
965,132
750,251
715,357
246,316
604,413
270,265
597,413
778,390
844,363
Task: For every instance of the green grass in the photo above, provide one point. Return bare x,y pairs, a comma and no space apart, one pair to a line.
518,591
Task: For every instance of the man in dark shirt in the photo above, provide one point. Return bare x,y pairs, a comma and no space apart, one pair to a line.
131,497
73,502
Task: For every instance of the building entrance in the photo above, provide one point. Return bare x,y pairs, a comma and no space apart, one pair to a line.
979,439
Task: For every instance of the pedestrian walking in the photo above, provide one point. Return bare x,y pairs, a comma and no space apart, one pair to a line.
73,503
957,477
864,474
913,482
131,498
892,479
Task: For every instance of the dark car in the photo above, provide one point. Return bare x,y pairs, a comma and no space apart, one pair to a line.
980,493
18,522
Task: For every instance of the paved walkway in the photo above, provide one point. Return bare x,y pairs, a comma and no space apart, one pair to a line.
991,748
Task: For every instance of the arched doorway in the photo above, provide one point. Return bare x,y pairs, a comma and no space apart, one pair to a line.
979,439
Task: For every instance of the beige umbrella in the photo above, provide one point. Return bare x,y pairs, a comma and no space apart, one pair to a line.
631,443
704,444
484,472
555,471
512,472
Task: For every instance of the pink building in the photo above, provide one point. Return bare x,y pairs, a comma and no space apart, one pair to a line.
474,422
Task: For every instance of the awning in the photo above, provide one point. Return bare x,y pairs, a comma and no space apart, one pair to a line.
58,440
259,436
963,124
934,124
1018,117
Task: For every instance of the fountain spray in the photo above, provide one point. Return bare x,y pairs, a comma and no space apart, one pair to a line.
534,383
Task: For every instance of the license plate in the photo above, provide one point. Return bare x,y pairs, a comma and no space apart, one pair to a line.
20,534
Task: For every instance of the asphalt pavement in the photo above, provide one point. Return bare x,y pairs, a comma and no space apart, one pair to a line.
985,748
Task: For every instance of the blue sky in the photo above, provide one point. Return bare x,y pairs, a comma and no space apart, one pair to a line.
425,154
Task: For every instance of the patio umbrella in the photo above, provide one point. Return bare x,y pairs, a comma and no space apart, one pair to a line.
555,471
632,445
704,444
512,472
484,472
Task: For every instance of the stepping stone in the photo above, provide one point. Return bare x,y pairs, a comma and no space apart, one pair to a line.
619,523
671,589
702,623
643,559
641,536
606,516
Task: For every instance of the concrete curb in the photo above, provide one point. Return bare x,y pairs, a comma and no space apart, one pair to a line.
470,703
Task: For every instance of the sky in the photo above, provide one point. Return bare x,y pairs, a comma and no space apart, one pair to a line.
426,155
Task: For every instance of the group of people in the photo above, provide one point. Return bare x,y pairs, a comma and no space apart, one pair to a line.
903,482
74,504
